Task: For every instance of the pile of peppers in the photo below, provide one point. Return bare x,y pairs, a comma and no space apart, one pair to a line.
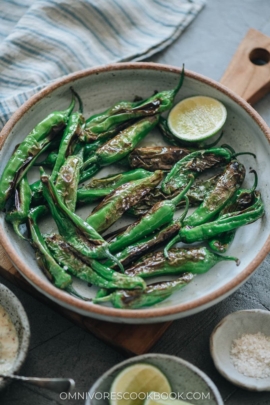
152,184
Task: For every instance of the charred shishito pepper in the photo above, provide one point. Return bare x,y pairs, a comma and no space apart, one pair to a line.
196,260
120,200
83,239
97,274
162,213
231,180
153,294
155,157
67,181
137,249
242,199
29,149
53,271
196,194
125,110
99,188
226,223
123,143
195,163
19,213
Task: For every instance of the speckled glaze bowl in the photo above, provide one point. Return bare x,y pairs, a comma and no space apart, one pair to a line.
19,319
233,327
101,87
185,379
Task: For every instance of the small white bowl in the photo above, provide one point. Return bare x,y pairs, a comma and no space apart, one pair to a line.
183,377
230,328
19,319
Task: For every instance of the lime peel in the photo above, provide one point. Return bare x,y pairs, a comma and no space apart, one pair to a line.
197,118
138,378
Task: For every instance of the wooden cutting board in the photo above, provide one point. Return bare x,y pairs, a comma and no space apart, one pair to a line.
248,75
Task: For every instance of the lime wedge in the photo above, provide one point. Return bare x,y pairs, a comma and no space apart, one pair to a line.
197,118
155,398
133,384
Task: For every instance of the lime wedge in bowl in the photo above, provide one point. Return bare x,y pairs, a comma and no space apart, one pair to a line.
133,384
196,118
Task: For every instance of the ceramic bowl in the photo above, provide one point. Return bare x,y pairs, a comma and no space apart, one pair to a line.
99,88
233,327
19,319
184,378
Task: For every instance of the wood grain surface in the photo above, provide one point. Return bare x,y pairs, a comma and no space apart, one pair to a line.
248,74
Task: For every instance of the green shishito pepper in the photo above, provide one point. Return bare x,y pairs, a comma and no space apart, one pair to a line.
101,276
123,143
119,201
231,180
49,161
242,199
196,194
82,238
32,145
153,294
162,213
74,127
195,163
225,223
196,260
155,157
72,131
67,181
137,249
54,272
99,188
19,214
125,110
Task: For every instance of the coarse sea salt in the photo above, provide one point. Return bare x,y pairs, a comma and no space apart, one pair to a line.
250,355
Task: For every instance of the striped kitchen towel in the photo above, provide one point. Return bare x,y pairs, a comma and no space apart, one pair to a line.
42,40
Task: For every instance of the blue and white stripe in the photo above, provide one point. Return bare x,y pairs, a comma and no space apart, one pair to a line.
42,40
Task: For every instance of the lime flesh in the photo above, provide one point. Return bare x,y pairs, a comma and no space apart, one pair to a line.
133,384
197,118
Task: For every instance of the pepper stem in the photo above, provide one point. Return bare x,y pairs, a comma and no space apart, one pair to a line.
234,259
211,145
244,153
226,146
176,200
16,227
73,292
181,80
114,259
170,244
88,162
78,98
255,181
102,299
72,105
183,216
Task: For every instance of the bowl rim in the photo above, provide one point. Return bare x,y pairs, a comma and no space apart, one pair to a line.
26,334
219,366
148,313
144,357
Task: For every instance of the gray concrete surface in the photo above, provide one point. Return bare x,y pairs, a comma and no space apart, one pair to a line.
58,348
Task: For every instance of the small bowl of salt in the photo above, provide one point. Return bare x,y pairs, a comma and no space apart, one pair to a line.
240,348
